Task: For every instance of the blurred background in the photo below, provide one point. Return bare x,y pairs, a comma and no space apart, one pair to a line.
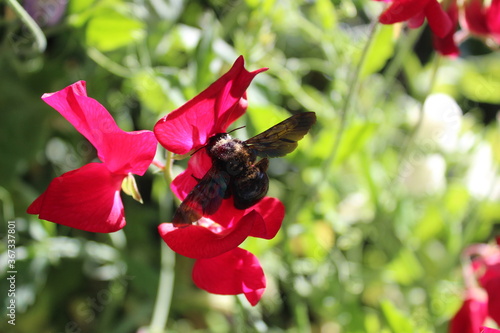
378,213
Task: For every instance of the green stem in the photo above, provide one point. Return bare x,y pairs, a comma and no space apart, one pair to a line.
167,172
166,283
353,87
165,291
299,306
108,64
40,39
405,45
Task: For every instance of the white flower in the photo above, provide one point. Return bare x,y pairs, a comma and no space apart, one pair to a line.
482,180
425,175
441,123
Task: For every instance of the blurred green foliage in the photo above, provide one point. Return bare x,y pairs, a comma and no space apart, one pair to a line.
377,215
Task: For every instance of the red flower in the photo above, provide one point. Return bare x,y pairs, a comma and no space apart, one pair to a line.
89,198
484,302
415,12
481,20
489,330
489,268
471,316
221,267
208,113
446,45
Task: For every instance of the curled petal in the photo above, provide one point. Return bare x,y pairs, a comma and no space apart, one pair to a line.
87,199
200,242
208,113
234,272
121,151
273,213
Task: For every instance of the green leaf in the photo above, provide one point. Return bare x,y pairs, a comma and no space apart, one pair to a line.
398,321
381,49
110,30
405,268
153,91
481,81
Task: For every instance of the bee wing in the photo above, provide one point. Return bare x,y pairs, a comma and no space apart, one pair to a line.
205,198
282,138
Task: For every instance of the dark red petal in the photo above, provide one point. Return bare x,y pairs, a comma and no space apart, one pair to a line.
402,10
437,18
121,151
470,317
87,199
208,113
199,242
490,281
234,272
492,288
446,45
416,21
475,17
493,18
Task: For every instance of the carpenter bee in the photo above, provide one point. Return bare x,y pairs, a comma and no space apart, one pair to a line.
235,170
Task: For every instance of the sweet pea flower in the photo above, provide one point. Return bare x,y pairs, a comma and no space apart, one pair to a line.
415,12
481,19
221,267
482,301
89,198
445,45
471,315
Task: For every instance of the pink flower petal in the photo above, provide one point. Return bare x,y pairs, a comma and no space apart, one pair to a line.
402,10
87,199
129,152
208,113
200,242
198,166
121,151
234,272
437,18
489,330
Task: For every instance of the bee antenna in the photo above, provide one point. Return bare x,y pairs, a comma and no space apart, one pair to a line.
197,150
231,131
